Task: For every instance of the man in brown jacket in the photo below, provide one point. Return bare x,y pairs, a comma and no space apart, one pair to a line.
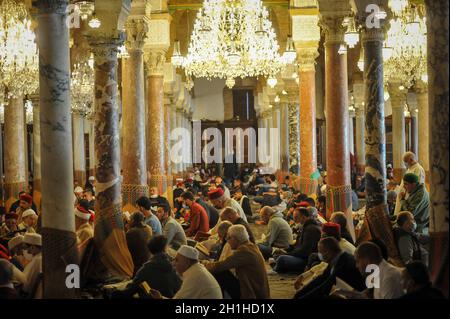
248,263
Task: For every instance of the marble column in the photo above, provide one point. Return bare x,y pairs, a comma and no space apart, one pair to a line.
14,152
398,100
336,100
91,129
179,124
351,137
109,229
173,125
79,156
37,176
377,219
134,166
167,129
58,224
284,139
421,90
437,38
294,138
413,127
276,147
2,193
359,140
157,175
308,139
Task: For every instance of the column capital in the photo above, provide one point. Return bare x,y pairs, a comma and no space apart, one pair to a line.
137,32
332,28
103,45
306,57
51,6
154,61
397,96
371,30
331,17
420,87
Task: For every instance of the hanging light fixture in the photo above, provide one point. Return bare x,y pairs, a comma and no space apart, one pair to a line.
82,88
342,49
290,55
86,8
19,67
123,53
277,99
177,58
94,23
351,36
272,82
232,39
361,60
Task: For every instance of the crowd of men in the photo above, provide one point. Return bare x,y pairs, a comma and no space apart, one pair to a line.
202,244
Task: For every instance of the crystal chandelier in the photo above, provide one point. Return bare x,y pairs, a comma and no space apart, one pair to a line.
19,66
407,37
86,8
232,39
82,88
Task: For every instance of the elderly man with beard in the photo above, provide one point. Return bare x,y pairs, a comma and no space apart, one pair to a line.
220,200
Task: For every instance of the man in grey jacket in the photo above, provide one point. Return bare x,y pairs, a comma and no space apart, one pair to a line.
279,233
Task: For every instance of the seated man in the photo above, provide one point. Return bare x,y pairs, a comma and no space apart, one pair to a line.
244,201
232,216
156,200
334,230
172,229
211,211
7,290
340,265
8,229
296,258
29,221
84,230
220,200
340,219
158,271
198,218
32,253
417,283
388,283
408,241
198,282
138,237
248,263
279,233
417,202
151,220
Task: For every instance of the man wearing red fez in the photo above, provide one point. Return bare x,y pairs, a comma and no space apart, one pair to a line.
10,224
220,200
334,230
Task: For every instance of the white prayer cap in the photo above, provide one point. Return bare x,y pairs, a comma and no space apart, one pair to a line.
91,178
29,212
82,213
188,252
32,239
78,189
179,180
15,241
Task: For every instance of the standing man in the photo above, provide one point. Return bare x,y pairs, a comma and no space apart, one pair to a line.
413,167
415,199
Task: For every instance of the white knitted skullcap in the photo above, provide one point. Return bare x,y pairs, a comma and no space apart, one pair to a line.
188,252
28,212
32,239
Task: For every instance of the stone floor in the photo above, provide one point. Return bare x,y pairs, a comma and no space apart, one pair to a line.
281,285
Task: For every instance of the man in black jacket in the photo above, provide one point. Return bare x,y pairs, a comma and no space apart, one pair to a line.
341,265
158,272
296,258
244,201
416,281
